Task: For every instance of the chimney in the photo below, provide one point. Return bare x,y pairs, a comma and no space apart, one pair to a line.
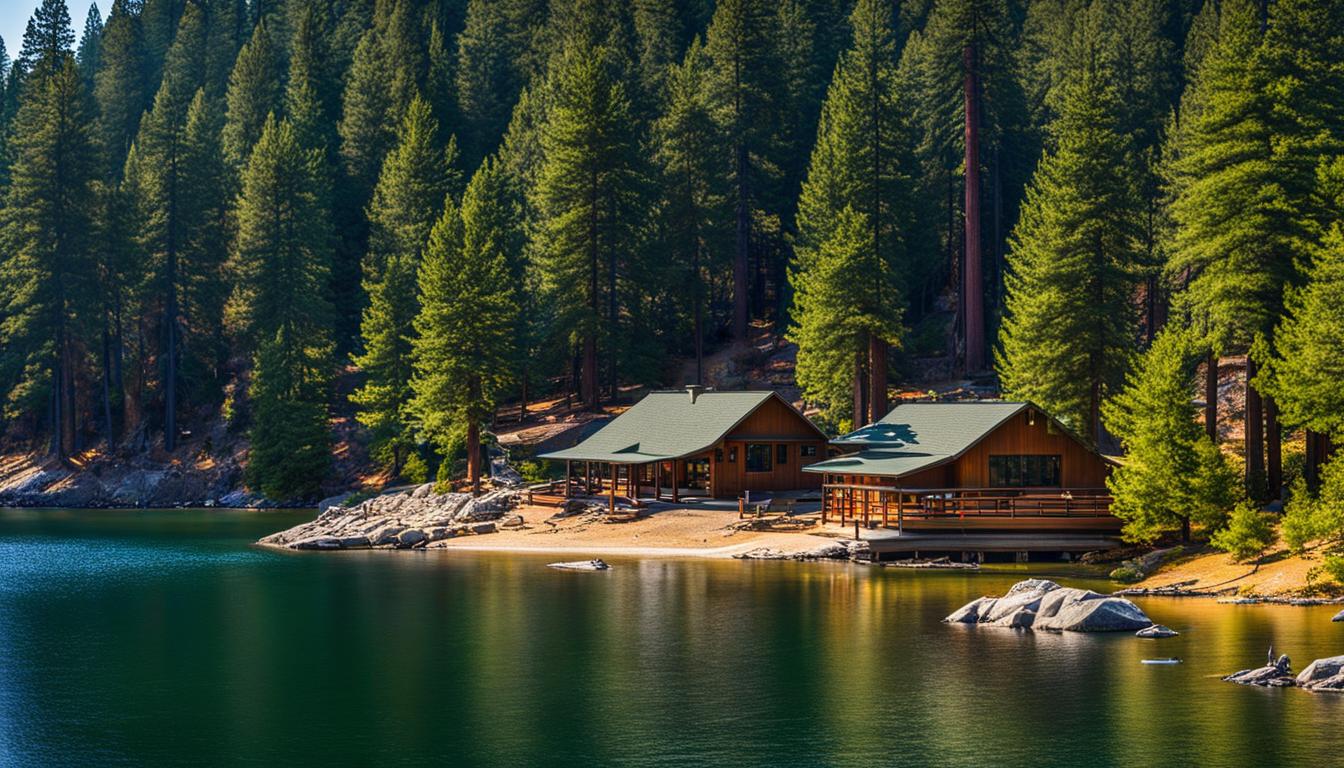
694,391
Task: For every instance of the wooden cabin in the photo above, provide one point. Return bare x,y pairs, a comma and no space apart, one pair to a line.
697,442
971,465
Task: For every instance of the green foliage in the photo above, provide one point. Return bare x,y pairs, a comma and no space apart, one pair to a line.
411,191
1333,565
1126,574
119,87
253,95
1316,517
1248,534
280,311
1172,474
1067,340
465,328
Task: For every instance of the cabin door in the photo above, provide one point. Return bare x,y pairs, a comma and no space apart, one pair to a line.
697,474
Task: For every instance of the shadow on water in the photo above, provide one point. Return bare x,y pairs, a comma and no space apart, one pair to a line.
162,638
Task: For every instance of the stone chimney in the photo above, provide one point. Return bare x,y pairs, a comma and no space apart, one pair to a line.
694,391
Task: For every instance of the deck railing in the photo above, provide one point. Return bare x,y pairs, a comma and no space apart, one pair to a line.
892,507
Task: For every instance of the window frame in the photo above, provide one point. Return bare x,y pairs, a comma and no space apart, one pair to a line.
1024,470
769,453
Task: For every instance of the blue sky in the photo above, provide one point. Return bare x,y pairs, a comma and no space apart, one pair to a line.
14,17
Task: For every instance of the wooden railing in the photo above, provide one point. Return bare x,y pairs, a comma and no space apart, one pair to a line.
892,507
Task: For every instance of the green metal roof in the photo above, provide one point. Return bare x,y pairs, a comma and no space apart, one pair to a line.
668,425
916,436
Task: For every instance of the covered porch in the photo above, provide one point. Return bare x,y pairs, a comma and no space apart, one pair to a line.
670,479
962,509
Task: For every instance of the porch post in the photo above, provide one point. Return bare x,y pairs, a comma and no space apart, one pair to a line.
611,494
676,481
587,478
569,476
658,481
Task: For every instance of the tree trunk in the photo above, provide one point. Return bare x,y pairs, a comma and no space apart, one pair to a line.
698,298
1185,530
1211,396
1255,434
170,368
877,378
474,456
588,380
1273,449
741,250
110,434
972,280
860,384
522,397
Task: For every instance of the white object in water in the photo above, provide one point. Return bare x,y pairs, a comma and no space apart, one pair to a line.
1161,661
581,565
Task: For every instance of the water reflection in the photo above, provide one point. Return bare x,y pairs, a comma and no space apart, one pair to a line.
161,638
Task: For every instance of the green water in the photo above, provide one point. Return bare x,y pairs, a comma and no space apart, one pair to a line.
162,638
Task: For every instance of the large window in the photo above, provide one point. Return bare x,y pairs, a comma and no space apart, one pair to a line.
758,457
1023,471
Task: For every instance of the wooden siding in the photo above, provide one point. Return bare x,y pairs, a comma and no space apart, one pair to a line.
1080,467
775,424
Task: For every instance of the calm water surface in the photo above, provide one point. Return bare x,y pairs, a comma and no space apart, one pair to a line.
162,638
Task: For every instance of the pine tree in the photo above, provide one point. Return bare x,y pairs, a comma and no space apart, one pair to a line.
1071,323
488,76
47,220
410,195
660,34
744,95
159,23
206,209
89,55
280,311
863,160
119,85
1308,365
165,216
586,201
254,93
695,185
1173,474
466,327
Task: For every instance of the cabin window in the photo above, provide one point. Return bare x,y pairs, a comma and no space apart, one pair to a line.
732,455
758,457
807,451
782,453
1024,471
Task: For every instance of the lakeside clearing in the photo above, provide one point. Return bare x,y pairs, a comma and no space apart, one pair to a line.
1278,574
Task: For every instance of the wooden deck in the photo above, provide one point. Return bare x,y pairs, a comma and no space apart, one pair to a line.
965,509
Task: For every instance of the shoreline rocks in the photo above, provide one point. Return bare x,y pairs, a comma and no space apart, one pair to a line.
596,564
844,549
1040,604
413,519
1325,674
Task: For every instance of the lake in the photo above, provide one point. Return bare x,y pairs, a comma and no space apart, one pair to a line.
163,638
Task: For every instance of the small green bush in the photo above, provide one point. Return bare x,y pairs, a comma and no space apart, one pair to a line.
415,470
1334,567
1126,574
1249,532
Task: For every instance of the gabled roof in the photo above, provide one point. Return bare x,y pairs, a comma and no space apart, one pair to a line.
670,425
918,436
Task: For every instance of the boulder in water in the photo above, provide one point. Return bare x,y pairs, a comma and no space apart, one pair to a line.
1040,604
1339,616
1323,675
1156,632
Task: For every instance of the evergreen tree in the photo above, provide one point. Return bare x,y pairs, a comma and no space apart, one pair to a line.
119,84
1308,365
1071,324
280,311
744,93
159,23
660,34
163,200
206,209
466,327
47,220
89,54
694,200
254,93
410,195
863,160
1172,474
586,201
488,76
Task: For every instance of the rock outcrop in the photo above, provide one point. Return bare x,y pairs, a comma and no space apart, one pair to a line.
1339,616
581,565
404,520
1156,632
842,549
1276,675
1044,605
1323,675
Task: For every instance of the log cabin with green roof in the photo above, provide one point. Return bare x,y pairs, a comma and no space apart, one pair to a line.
967,466
695,442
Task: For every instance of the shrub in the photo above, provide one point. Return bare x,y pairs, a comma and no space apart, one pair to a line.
1249,532
415,470
1334,566
1126,574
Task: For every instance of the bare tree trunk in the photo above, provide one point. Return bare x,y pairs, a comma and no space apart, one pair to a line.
1255,433
860,384
877,378
1211,396
972,278
1273,449
588,381
474,456
110,434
